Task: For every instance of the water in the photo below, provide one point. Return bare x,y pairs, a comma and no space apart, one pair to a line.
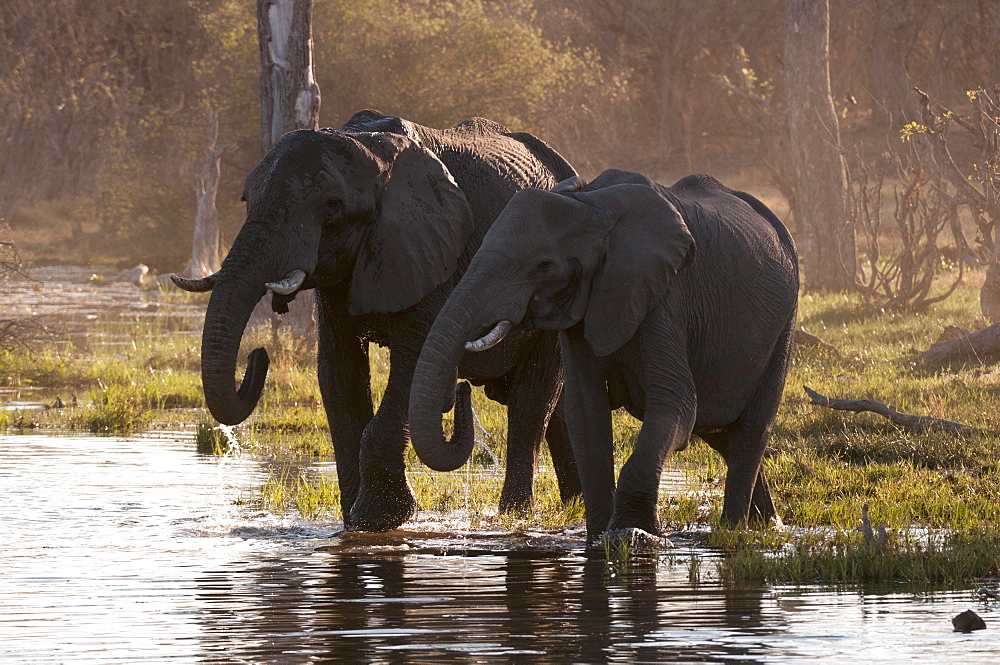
126,550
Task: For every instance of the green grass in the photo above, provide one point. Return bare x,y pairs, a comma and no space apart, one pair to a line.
842,556
823,465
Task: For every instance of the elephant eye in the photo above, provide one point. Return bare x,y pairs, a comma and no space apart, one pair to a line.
545,268
334,203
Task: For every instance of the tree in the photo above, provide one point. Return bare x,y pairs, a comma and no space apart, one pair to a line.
205,248
819,205
289,94
289,100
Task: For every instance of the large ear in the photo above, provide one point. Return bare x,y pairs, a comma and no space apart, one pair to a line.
422,224
646,247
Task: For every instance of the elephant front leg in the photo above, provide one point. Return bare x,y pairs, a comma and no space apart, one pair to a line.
668,418
666,428
588,418
343,371
385,500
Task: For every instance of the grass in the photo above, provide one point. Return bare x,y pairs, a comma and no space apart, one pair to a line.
937,494
842,556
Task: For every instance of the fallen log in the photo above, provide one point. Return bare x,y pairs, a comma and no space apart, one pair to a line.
916,423
976,345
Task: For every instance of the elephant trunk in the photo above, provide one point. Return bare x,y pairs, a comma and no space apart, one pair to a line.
433,379
234,297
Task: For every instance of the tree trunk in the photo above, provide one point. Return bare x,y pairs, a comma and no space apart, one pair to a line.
825,240
289,94
205,248
893,27
289,100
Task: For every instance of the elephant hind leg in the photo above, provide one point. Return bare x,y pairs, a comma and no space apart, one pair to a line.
561,451
534,389
761,505
747,491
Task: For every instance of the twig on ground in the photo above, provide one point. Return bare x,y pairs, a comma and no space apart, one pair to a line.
916,423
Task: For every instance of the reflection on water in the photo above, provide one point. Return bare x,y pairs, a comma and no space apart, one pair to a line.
126,550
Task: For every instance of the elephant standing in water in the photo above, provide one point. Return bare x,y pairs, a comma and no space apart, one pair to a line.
688,339
381,217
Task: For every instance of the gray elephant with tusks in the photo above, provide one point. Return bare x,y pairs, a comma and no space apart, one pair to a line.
677,303
381,217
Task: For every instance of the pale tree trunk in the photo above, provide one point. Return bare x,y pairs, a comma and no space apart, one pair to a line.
289,94
205,248
825,240
289,100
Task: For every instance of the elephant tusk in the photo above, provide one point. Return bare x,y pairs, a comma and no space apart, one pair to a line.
570,185
289,285
492,338
195,285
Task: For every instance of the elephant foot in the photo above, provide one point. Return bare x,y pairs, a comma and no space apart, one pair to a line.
384,503
622,543
515,503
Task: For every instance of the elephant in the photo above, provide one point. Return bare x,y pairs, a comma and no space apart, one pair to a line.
677,303
381,217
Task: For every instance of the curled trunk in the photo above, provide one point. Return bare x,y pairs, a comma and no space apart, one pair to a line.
433,379
228,312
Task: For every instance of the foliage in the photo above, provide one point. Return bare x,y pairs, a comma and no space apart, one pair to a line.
440,63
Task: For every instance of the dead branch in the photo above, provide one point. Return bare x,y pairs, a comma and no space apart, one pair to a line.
976,345
916,423
900,274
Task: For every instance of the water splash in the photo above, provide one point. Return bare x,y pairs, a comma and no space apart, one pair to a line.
234,447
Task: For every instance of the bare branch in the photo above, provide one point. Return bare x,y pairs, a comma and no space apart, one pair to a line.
916,423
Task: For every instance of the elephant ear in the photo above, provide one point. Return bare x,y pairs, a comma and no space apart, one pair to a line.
422,225
646,246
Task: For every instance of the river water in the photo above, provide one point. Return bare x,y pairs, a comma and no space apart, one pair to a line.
118,550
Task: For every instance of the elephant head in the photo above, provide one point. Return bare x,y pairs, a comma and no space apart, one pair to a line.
371,212
603,255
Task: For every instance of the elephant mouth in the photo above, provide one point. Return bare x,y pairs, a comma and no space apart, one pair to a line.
284,291
292,282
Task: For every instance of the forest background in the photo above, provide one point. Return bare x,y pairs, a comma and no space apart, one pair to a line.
104,105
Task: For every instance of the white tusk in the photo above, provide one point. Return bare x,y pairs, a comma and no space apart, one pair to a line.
195,285
570,185
289,285
492,338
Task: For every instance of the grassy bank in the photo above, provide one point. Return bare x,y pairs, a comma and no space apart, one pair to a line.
937,494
